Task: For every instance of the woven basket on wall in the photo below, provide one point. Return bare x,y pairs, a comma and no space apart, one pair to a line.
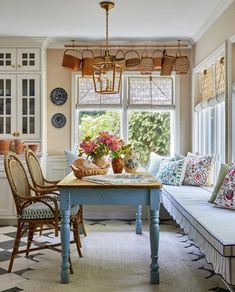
98,59
120,58
87,62
132,61
71,62
168,63
157,60
181,64
146,64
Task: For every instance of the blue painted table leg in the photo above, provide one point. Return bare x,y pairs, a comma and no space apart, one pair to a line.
138,227
65,235
154,235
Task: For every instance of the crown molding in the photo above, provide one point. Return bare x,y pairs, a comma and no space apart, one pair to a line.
216,13
14,41
211,59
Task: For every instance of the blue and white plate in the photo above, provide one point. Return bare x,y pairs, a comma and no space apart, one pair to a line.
58,120
58,96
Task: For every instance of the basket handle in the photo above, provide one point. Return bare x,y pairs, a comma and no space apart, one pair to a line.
157,51
120,51
132,51
164,52
178,53
145,54
72,51
88,51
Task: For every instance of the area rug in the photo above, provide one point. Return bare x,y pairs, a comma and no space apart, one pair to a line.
114,259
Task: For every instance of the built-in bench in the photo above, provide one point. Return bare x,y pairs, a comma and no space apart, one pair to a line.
212,229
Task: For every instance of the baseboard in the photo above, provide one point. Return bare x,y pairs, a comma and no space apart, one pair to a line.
8,221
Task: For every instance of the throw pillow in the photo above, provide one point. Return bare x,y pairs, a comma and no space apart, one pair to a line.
70,158
198,169
226,195
211,175
154,163
172,172
179,156
224,168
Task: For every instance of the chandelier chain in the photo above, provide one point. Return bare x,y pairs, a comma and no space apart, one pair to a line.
107,28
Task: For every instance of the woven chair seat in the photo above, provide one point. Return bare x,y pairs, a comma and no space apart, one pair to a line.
41,211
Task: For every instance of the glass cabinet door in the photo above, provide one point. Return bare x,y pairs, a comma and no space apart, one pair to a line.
28,105
28,59
7,104
7,59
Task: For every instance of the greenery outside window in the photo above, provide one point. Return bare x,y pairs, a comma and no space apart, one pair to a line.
143,114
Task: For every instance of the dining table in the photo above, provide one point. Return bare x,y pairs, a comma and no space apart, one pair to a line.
137,193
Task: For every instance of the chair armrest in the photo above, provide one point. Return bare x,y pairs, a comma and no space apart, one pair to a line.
44,191
53,182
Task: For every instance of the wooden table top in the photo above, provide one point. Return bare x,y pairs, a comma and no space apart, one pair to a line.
71,181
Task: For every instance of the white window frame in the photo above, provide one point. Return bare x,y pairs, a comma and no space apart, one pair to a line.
124,108
201,120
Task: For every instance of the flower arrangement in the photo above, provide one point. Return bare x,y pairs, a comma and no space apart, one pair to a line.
104,144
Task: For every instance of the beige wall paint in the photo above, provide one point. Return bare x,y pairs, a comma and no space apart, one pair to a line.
216,35
185,114
59,139
57,76
233,65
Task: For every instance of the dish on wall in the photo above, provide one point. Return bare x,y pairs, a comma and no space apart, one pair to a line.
58,120
58,96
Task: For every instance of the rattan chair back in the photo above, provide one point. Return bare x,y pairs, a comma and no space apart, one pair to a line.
34,168
17,178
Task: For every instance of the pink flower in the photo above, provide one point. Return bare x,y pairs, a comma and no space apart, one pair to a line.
104,137
88,146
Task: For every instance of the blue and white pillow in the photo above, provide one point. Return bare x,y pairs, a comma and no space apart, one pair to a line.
172,172
70,158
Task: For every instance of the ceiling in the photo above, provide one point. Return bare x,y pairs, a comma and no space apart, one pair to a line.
135,20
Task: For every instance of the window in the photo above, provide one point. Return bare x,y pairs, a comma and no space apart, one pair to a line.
143,114
209,115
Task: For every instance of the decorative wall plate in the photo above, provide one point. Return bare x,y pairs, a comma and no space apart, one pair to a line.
58,120
58,96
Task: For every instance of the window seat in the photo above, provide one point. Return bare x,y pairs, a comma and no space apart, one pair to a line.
211,228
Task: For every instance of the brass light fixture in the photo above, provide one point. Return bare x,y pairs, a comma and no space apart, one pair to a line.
107,75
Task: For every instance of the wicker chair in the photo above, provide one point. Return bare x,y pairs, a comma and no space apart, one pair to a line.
34,211
39,181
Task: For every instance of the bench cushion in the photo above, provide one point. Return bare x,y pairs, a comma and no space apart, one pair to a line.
41,211
211,228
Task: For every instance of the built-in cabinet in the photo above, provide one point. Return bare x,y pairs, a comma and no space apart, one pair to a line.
20,107
20,59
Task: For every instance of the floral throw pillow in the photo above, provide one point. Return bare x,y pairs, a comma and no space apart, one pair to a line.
172,172
198,169
226,195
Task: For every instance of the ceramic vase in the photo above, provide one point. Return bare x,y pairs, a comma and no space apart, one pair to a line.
130,162
117,165
19,147
33,147
101,162
5,146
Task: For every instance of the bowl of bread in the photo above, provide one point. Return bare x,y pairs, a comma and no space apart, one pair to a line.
82,167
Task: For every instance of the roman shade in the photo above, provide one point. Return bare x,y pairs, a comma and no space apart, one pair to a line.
212,86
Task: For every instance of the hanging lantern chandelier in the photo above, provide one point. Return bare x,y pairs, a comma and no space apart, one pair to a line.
107,75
